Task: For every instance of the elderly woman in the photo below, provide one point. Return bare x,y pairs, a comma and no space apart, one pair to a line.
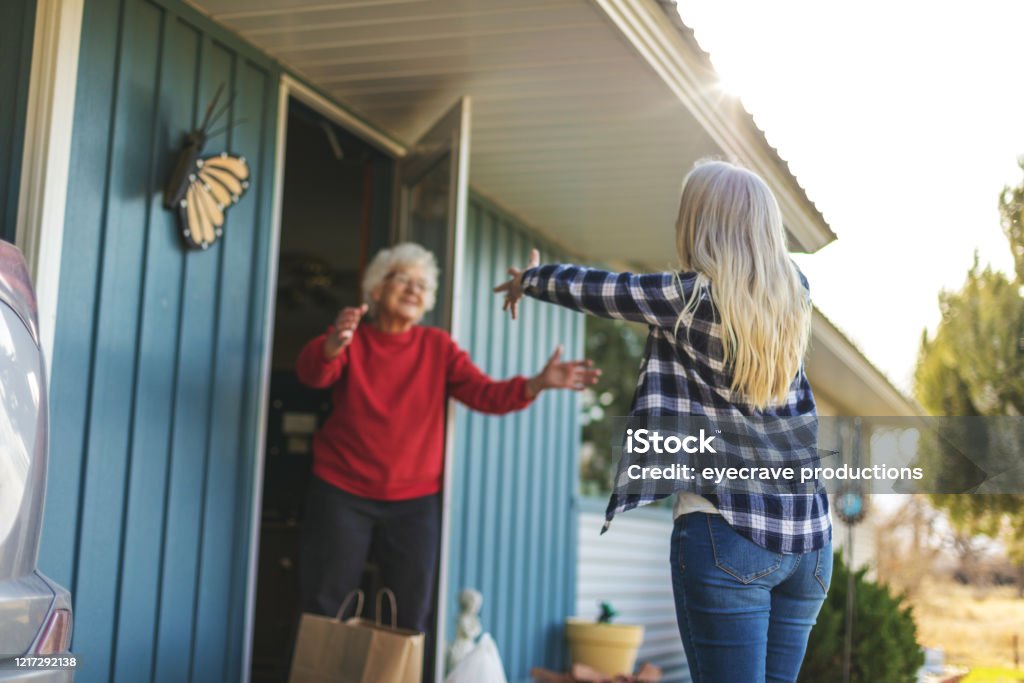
378,459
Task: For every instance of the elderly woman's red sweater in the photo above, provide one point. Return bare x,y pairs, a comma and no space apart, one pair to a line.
384,438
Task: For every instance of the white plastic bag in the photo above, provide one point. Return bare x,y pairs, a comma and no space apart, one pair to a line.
481,665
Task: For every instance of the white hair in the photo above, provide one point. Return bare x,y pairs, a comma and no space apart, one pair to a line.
394,258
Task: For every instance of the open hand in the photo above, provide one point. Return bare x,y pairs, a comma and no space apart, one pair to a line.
557,374
514,287
341,332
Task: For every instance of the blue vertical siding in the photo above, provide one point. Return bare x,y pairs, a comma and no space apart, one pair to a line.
513,518
629,567
16,33
154,394
156,360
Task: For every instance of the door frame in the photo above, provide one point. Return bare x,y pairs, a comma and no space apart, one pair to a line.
46,155
289,87
452,132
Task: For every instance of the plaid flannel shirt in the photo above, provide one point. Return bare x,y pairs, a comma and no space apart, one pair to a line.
685,375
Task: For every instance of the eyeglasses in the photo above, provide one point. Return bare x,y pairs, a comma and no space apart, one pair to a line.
407,281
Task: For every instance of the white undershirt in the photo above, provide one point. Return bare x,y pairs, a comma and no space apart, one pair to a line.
687,502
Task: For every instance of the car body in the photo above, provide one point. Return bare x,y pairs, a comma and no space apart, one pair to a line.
35,612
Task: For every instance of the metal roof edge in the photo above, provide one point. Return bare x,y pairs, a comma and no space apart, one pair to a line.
655,30
827,333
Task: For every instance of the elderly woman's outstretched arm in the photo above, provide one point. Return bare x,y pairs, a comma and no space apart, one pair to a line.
471,386
322,360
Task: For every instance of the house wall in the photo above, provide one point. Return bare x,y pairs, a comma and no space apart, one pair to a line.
513,528
629,568
16,31
157,357
156,371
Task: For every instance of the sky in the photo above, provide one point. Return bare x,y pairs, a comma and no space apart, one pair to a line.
903,121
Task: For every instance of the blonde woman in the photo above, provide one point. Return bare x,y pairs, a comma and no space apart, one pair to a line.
728,333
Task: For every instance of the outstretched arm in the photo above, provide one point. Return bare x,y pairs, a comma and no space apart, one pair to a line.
323,359
471,386
514,288
556,374
654,299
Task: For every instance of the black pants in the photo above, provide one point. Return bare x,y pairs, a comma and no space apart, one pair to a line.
338,532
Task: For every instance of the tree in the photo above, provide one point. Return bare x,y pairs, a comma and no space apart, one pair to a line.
617,348
884,643
1011,211
974,366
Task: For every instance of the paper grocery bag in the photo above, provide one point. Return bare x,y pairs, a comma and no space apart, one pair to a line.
356,650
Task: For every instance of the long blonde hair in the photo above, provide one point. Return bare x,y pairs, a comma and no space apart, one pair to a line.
730,233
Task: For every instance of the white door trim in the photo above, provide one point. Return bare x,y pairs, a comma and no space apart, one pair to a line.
341,116
46,158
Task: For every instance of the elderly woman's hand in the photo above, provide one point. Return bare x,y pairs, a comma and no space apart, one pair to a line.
340,334
514,287
556,374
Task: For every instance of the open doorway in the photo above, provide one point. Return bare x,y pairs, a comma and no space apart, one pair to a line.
335,214
340,198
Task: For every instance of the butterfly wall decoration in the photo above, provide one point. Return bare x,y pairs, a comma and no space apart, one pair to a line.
201,189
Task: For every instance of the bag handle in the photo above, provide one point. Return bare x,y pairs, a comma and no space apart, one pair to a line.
394,606
358,594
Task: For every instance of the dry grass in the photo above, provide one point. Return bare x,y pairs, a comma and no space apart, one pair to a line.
974,626
994,676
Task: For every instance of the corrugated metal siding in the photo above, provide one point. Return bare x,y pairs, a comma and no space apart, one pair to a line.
16,32
155,370
629,567
513,533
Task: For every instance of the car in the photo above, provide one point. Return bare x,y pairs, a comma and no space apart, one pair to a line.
35,612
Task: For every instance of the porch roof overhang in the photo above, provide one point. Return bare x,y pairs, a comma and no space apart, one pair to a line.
586,113
856,387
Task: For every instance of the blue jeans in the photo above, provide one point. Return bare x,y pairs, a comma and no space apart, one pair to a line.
744,613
